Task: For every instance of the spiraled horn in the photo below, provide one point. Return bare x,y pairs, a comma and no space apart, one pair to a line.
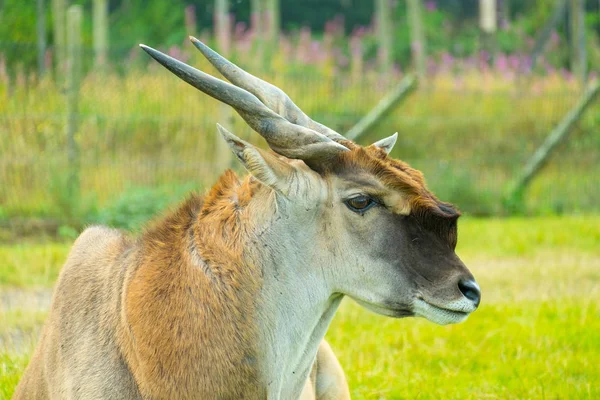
284,137
269,94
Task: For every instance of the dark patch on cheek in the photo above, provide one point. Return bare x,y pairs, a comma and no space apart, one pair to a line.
405,243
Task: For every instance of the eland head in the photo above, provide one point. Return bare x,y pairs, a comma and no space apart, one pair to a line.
355,219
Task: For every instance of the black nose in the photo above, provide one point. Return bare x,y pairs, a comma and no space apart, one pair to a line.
470,290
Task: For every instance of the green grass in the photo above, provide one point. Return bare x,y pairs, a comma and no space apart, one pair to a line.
19,331
11,368
528,237
535,336
522,350
31,264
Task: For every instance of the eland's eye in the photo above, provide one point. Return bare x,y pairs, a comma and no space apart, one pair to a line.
360,204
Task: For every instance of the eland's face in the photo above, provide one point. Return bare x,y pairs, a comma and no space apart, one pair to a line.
387,241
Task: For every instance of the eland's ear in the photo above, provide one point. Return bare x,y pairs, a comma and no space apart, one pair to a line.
265,167
387,144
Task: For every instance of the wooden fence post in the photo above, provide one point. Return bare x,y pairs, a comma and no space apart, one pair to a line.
577,35
41,37
417,38
224,157
488,22
558,134
383,11
190,20
58,27
100,33
387,104
257,21
273,21
222,26
73,79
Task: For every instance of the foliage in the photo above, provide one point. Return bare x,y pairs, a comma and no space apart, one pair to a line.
534,336
470,133
17,29
135,207
459,186
469,129
451,26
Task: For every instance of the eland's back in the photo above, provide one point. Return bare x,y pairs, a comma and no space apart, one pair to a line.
78,355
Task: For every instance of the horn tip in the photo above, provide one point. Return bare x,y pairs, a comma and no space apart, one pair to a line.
222,130
196,41
229,137
147,49
199,45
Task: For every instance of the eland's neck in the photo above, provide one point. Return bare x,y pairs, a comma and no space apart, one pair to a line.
297,306
294,302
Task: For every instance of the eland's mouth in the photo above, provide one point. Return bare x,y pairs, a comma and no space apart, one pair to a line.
452,314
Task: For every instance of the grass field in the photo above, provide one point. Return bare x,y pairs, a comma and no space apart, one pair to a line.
535,336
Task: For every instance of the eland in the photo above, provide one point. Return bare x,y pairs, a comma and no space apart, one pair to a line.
229,296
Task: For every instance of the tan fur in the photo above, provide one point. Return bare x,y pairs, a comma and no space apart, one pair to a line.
137,310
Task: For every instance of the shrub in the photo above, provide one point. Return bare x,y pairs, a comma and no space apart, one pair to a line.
136,206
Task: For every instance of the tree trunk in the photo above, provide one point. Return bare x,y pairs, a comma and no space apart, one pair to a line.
273,22
257,23
73,79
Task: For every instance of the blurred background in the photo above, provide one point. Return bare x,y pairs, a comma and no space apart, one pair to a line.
91,125
494,100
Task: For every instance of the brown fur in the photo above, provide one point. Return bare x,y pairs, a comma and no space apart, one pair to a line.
172,298
142,307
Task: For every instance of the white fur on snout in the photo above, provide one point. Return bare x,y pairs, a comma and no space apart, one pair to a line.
443,315
462,305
